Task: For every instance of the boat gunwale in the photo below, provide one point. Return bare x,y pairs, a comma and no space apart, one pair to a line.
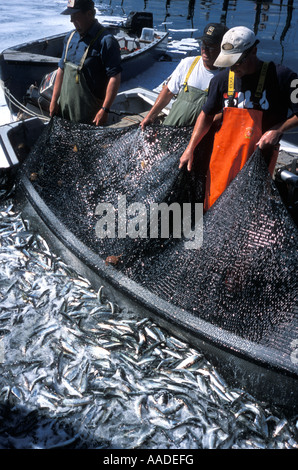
216,336
257,368
16,48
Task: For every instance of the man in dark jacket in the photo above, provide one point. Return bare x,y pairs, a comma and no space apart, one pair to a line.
89,72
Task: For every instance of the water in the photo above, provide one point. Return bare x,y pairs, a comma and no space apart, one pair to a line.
275,23
77,371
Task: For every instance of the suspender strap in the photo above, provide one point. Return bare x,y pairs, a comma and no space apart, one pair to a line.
194,63
90,45
260,87
81,65
231,87
67,45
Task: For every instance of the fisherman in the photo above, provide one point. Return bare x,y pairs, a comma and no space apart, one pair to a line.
255,97
89,72
190,81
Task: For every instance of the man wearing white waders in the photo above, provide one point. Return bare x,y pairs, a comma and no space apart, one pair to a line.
190,81
89,72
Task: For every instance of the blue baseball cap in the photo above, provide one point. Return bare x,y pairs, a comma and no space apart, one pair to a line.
74,6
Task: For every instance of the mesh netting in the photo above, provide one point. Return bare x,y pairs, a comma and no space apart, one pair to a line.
242,279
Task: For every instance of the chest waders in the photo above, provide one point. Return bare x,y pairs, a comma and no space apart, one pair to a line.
77,102
235,142
188,104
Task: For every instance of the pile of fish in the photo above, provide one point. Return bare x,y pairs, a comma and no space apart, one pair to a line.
78,372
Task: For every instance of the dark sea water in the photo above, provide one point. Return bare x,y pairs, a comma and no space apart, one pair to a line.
274,22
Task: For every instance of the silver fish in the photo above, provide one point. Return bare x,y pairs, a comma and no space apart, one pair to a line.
103,376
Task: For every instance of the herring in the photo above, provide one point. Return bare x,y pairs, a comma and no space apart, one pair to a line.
104,377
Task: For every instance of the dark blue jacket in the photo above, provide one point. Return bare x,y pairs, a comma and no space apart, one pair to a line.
103,60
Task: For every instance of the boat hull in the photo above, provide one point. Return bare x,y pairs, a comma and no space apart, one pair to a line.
26,64
257,369
236,359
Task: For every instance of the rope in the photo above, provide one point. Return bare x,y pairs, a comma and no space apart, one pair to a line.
13,101
22,107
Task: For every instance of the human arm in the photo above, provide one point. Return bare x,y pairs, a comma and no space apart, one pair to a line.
162,100
56,92
287,80
273,135
169,90
111,93
202,126
54,107
111,60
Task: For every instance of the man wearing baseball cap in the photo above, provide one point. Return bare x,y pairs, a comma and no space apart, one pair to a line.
255,97
89,72
190,81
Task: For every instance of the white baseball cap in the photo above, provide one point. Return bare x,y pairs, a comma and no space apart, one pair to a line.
235,41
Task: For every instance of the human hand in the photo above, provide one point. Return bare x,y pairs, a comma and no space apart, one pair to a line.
54,108
186,159
269,139
100,118
146,122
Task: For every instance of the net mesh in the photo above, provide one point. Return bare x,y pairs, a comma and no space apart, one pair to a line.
243,278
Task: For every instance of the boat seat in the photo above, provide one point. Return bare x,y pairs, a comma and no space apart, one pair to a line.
128,44
147,35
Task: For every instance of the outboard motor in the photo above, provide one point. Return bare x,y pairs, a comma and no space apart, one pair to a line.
286,180
137,20
41,96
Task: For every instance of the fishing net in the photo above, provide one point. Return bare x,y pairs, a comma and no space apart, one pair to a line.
242,279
